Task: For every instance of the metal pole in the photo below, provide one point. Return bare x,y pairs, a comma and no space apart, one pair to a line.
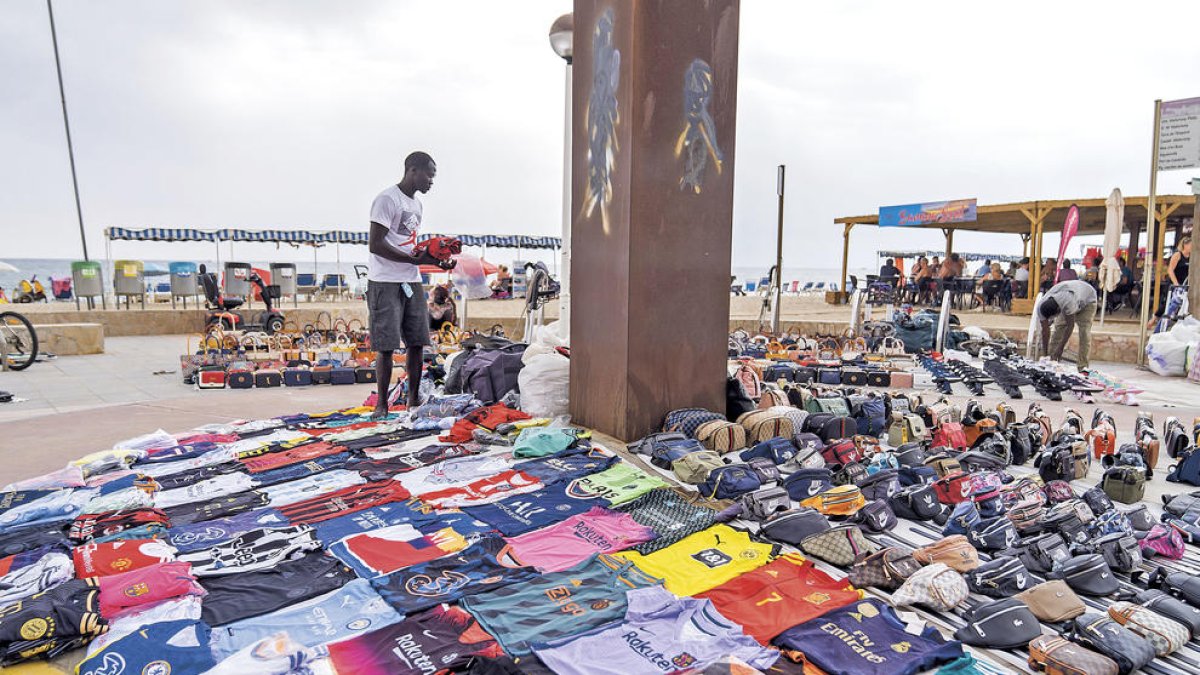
1150,249
67,125
564,275
779,183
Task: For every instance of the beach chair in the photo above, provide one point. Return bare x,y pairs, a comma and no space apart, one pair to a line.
807,288
307,284
794,287
820,287
334,285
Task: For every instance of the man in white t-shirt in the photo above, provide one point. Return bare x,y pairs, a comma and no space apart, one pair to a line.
395,297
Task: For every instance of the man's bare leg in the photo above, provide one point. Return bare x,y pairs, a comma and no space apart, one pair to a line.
413,365
383,380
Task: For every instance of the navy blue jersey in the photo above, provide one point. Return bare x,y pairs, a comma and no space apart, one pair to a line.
169,648
480,567
867,637
569,464
522,513
301,469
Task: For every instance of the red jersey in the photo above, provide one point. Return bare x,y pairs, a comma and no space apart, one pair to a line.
303,453
783,593
115,557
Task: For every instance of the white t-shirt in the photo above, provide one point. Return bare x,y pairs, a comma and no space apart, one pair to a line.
401,215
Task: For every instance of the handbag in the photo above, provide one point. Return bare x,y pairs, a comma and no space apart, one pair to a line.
1098,632
1043,553
1052,601
886,569
1087,574
793,527
722,435
843,500
1000,577
1000,624
840,545
954,551
806,483
1165,634
1171,607
1058,656
936,586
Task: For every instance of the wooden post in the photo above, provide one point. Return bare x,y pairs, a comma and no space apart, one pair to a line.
1149,293
1194,270
949,243
654,96
846,254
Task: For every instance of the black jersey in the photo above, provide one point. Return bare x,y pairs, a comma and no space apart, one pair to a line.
239,596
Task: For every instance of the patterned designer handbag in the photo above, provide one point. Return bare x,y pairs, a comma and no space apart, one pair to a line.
763,424
1053,601
1166,635
1098,632
1058,656
1000,577
886,569
954,551
1171,607
840,545
721,435
935,586
687,420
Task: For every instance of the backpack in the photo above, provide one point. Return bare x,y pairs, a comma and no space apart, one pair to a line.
737,402
1176,438
751,383
687,420
1186,471
1020,443
950,434
907,428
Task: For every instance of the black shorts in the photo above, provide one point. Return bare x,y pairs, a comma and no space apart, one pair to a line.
397,318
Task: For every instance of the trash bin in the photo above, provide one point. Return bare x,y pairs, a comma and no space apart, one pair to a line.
284,276
129,280
237,280
88,282
183,282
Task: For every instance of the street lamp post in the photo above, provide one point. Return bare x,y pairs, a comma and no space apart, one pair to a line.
562,39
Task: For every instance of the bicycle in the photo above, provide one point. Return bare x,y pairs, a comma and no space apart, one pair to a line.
18,342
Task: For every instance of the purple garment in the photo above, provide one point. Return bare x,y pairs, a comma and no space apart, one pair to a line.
661,633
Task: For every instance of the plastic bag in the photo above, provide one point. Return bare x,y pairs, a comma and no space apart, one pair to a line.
1166,355
544,341
544,385
470,278
976,333
1186,330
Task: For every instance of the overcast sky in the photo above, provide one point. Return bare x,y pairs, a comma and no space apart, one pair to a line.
291,113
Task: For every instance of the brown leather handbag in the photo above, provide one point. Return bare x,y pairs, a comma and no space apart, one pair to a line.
954,551
1058,656
1052,601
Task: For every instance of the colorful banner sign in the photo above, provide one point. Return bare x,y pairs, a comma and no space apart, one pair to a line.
933,213
1070,227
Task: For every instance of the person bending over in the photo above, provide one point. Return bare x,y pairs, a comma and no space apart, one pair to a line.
1069,304
395,297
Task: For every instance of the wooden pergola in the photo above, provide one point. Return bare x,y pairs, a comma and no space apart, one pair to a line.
1029,220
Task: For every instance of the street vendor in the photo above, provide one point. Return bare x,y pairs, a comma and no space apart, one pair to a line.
1069,304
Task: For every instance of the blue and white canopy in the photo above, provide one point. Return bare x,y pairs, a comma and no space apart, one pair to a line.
306,237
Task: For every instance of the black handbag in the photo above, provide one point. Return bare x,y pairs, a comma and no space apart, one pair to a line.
876,516
879,378
1087,574
1043,552
993,534
1000,624
1120,551
1130,650
794,527
916,502
1000,577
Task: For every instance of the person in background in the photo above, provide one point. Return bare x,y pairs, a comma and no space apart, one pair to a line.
1091,272
920,277
984,269
952,267
889,272
1021,278
1069,304
1179,266
1048,270
995,273
395,296
442,309
935,267
3,297
1067,273
502,285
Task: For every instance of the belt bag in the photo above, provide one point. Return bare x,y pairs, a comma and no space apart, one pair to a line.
765,469
1057,656
1097,500
1140,518
953,489
807,457
1058,491
990,504
935,586
974,460
1170,607
779,450
1180,584
849,474
993,534
1110,522
1042,554
664,453
944,466
695,467
1088,574
794,527
962,519
1163,540
842,452
1053,601
916,475
953,551
911,454
646,445
1020,490
1165,634
764,503
730,482
1026,516
1068,525
886,569
843,500
1000,577
1177,505
807,483
1120,551
876,516
1110,638
1000,624
916,502
881,485
839,546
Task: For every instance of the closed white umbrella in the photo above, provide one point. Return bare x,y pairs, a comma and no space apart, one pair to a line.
1110,268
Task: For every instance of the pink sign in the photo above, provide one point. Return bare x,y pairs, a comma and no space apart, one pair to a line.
1070,227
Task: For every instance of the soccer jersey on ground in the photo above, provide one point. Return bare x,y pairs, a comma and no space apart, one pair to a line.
521,513
380,552
146,586
484,490
50,622
557,604
671,515
567,465
97,560
618,484
704,559
348,500
240,596
660,634
783,593
574,540
196,536
254,550
868,637
438,640
172,648
480,567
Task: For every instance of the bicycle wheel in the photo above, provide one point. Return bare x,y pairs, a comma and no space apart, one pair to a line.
20,339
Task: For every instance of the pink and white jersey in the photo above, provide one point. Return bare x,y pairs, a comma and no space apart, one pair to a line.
566,544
